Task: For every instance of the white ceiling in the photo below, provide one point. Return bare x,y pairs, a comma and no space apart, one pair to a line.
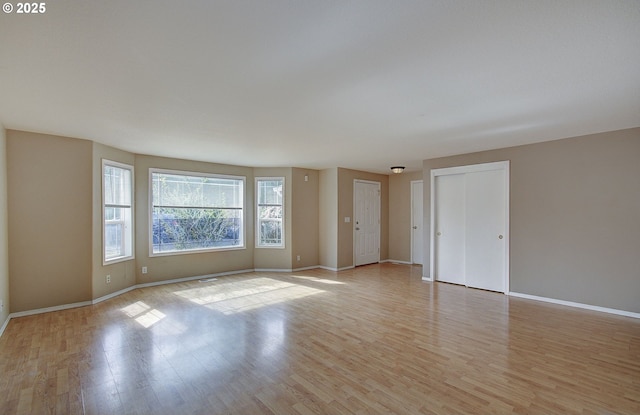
362,84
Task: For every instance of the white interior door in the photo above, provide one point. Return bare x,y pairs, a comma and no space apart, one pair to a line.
417,230
367,222
449,228
485,237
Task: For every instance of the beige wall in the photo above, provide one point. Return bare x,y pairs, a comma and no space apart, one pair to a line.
575,222
301,221
122,273
400,215
328,218
169,267
74,267
4,232
575,217
50,220
305,218
346,178
276,258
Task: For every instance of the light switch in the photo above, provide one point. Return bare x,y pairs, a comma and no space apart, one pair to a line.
347,219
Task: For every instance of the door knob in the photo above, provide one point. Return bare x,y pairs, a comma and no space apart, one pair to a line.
357,229
415,227
500,236
439,233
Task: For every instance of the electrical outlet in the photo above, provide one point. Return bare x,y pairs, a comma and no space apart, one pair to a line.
109,279
298,258
144,270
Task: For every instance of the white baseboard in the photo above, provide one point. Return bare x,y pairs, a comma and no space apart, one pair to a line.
336,269
287,269
305,268
395,261
113,294
123,291
49,309
576,305
185,279
5,324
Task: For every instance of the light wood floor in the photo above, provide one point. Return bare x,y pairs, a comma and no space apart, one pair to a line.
373,340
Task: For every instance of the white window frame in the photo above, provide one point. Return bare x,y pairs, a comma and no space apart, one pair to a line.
243,229
128,239
258,228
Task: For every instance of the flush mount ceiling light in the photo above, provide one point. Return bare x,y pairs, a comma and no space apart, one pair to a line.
397,169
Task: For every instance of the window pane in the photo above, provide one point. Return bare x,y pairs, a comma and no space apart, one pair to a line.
117,186
196,212
176,229
180,190
270,231
270,212
109,213
113,240
270,192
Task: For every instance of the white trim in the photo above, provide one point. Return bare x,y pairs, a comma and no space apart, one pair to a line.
286,269
328,268
49,309
472,168
305,268
5,324
113,294
197,277
199,251
196,174
432,223
411,183
335,269
395,261
576,305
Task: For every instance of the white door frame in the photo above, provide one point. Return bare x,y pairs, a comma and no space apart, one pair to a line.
414,182
354,237
499,165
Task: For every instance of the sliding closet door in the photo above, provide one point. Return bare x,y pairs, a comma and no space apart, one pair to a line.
470,225
450,228
485,221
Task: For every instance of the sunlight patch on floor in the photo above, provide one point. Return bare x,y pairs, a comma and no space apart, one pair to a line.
237,296
143,314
